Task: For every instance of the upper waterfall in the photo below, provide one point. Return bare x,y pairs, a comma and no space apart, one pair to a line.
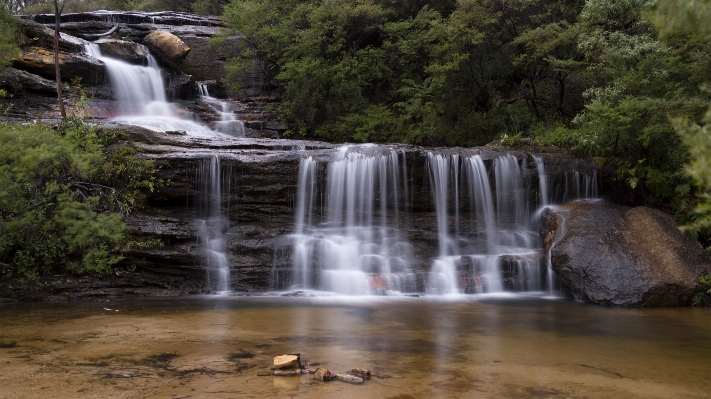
140,93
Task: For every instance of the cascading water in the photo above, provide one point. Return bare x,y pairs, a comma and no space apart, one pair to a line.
349,235
213,224
356,246
228,124
140,93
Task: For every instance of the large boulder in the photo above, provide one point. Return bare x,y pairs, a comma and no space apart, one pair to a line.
40,61
615,255
167,46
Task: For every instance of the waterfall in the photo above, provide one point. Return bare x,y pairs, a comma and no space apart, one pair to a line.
353,231
212,223
228,124
356,246
140,93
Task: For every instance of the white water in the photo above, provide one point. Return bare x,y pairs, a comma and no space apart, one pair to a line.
213,224
350,239
140,93
352,247
228,124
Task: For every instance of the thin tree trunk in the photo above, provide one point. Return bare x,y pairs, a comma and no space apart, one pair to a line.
57,14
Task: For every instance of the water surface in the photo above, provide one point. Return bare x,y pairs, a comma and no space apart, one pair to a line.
426,347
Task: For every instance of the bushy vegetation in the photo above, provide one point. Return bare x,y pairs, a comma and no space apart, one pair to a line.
65,192
592,76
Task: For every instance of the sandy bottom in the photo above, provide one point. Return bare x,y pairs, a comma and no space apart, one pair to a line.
416,348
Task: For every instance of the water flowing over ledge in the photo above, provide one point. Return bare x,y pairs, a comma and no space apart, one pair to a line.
356,224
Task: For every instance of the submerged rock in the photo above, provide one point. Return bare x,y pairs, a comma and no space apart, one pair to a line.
322,374
615,255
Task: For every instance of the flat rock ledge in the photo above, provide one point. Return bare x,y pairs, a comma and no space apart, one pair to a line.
619,256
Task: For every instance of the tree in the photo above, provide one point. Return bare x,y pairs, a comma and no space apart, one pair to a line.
8,46
57,16
686,21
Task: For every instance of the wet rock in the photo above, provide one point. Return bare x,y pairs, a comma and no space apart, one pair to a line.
615,255
288,362
549,223
128,51
322,374
88,30
347,378
361,373
166,45
40,61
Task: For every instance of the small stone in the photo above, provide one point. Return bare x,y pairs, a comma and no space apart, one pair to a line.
287,362
322,374
263,374
361,373
347,378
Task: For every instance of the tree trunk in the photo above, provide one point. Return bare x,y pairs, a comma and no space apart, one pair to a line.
57,14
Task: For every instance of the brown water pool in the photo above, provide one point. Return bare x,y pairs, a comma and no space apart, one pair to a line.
222,347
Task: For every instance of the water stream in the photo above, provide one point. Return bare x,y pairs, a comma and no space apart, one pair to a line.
140,94
228,123
352,235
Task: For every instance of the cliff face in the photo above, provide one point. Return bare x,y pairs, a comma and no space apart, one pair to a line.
259,194
123,35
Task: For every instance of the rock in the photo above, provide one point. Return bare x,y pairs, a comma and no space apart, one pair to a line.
87,30
361,373
288,362
322,374
40,61
32,34
130,52
550,220
347,378
615,255
167,45
16,81
203,62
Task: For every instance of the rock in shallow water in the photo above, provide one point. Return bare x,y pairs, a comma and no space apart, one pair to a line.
615,255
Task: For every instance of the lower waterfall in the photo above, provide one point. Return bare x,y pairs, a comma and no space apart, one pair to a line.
356,232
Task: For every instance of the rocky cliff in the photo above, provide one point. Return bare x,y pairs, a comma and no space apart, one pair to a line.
128,36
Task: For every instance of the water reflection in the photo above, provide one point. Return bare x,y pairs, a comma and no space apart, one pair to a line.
422,347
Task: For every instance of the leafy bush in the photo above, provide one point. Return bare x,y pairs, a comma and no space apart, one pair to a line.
64,197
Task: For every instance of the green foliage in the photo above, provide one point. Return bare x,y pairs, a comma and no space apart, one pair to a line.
64,197
8,47
703,289
432,72
634,83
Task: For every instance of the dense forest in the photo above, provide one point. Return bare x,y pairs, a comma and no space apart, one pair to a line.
602,78
623,81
